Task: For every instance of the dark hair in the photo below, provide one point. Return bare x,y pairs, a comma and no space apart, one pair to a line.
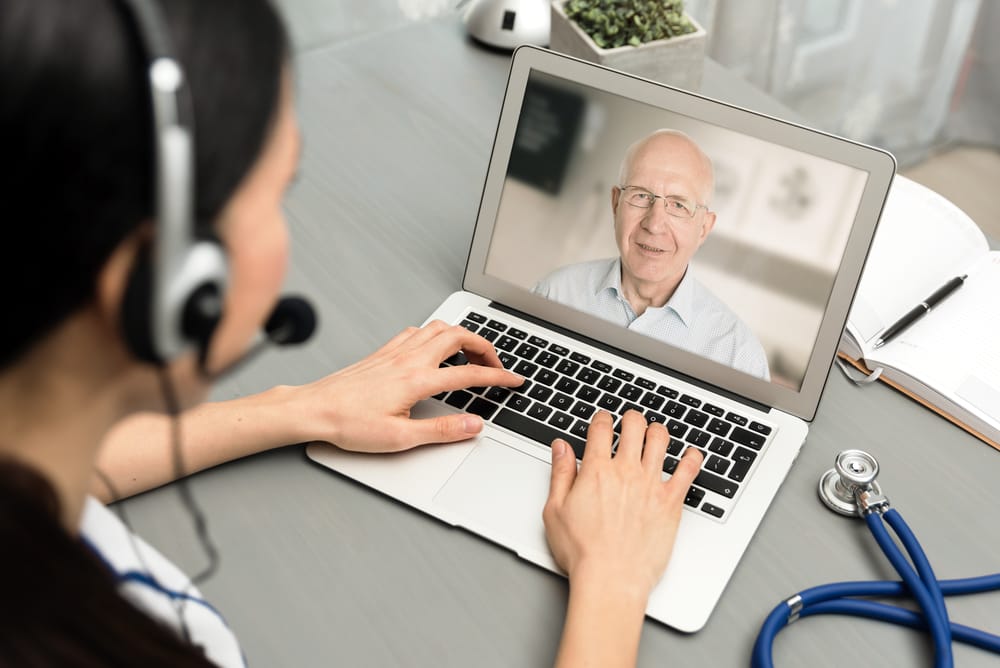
75,135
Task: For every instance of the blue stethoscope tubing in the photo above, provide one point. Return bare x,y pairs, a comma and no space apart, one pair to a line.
918,580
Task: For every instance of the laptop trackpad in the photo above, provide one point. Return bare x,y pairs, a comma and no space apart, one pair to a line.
499,492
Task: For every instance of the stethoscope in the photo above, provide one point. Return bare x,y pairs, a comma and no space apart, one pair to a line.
850,489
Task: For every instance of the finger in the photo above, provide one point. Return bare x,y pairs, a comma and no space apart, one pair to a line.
563,472
600,434
632,436
469,375
685,473
397,341
427,333
440,429
655,448
449,341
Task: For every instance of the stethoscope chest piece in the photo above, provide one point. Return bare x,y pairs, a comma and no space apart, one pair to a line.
854,469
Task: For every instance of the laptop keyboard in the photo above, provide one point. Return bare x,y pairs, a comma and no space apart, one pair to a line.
564,388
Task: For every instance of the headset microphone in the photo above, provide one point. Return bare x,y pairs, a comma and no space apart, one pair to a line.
292,321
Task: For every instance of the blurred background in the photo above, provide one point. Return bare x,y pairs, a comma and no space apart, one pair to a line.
920,78
782,222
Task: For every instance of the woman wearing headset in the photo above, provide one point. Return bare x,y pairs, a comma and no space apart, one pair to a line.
75,125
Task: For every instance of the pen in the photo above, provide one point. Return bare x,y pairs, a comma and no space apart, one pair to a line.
920,309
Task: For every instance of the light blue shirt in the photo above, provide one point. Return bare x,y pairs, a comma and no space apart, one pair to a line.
693,318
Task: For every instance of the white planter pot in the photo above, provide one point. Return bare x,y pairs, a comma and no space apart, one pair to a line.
676,61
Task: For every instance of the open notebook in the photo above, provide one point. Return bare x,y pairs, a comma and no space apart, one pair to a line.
949,360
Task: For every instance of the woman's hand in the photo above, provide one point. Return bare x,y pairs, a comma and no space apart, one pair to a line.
611,527
366,407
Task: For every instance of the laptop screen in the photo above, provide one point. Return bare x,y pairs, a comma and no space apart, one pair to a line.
702,237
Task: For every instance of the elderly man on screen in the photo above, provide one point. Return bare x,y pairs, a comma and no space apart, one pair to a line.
661,217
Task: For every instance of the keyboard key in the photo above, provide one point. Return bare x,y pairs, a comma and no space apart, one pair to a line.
547,360
439,396
653,401
624,375
561,420
580,429
568,368
698,437
674,409
748,438
578,357
499,326
668,392
609,402
717,464
469,325
482,408
714,511
567,385
526,351
506,343
670,464
645,384
712,409
710,481
539,411
489,334
537,431
744,455
676,429
458,399
526,369
674,448
588,375
537,341
518,402
476,317
601,366
609,384
507,359
717,426
721,446
653,416
690,401
497,394
697,418
458,359
760,428
561,401
546,377
583,410
694,496
540,393
588,394
559,350
737,419
629,406
630,392
517,334
740,470
522,388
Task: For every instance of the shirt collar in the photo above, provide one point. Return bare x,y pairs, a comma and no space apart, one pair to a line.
681,302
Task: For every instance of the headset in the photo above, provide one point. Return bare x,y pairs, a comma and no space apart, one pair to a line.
174,296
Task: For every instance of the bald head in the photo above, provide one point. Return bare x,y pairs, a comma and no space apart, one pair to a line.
679,146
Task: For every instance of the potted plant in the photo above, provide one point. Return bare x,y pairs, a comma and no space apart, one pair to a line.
654,39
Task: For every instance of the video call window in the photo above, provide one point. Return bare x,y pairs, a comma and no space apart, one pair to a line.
703,238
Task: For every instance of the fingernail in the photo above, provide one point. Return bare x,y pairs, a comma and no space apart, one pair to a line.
558,447
472,424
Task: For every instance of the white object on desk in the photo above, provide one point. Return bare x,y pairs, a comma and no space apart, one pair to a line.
507,24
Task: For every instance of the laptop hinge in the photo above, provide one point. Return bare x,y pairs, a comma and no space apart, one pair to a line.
756,405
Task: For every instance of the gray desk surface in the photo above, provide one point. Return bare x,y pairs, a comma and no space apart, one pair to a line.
318,570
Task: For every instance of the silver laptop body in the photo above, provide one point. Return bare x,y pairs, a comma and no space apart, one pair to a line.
797,210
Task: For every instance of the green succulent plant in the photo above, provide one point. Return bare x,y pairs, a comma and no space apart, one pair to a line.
614,23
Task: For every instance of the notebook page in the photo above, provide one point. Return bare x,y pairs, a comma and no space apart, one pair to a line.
955,349
922,241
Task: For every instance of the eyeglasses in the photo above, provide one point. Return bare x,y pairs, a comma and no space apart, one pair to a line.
678,207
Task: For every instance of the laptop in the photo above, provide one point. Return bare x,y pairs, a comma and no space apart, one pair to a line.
734,363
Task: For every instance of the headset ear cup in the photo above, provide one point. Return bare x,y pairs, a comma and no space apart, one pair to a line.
137,309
